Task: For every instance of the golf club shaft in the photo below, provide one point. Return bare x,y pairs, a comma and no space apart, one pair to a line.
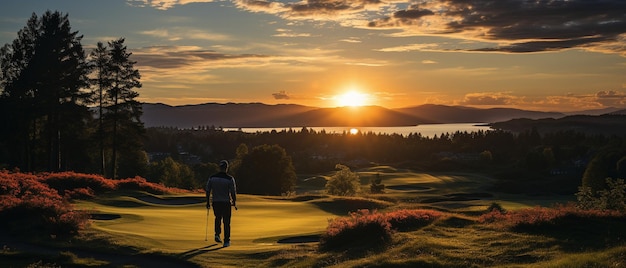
206,228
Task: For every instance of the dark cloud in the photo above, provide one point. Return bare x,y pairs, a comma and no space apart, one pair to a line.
281,95
525,26
177,57
487,99
611,98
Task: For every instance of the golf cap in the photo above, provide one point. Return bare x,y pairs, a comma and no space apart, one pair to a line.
223,164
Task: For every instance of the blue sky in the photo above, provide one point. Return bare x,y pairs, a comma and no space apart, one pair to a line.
539,55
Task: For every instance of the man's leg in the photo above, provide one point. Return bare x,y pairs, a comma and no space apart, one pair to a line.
218,212
226,215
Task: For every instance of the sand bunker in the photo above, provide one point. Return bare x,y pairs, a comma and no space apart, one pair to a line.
408,187
300,239
183,200
104,216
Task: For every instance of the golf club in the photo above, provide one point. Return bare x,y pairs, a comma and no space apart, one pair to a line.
206,229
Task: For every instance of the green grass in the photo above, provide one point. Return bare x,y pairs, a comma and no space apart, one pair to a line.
174,227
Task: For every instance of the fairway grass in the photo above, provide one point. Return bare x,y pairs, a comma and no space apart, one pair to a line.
176,226
258,223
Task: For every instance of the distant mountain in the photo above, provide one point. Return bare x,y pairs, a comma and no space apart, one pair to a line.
461,114
220,115
607,124
235,115
253,115
594,111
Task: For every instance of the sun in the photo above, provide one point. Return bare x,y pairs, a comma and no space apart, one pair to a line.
352,98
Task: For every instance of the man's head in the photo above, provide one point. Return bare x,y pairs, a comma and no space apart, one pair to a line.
224,165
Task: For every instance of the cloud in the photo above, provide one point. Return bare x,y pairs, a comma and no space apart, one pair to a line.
289,33
163,4
611,98
179,33
490,99
517,26
510,26
281,95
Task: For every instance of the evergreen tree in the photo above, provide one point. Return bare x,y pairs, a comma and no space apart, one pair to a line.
44,74
119,111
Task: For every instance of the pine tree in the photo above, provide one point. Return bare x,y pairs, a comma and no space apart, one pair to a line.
44,74
121,115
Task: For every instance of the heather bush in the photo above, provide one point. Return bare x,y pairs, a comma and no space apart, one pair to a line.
542,216
372,229
407,219
78,185
361,229
29,207
141,184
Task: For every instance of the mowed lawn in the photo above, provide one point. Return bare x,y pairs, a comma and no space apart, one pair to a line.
177,224
169,226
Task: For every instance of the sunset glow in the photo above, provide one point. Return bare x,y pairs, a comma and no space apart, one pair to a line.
352,98
481,54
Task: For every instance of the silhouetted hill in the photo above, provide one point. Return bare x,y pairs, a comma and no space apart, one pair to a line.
366,116
607,124
461,114
251,115
220,115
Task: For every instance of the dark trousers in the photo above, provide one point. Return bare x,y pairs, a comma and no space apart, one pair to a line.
222,212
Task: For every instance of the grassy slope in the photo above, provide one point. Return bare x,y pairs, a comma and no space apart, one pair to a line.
179,229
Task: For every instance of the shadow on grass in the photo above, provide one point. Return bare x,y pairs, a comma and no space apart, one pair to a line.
576,233
343,205
197,251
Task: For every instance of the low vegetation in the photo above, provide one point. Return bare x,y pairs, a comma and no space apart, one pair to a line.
389,232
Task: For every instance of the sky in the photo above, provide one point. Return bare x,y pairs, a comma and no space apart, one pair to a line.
545,55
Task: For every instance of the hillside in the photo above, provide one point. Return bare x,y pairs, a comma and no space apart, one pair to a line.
461,114
254,115
607,124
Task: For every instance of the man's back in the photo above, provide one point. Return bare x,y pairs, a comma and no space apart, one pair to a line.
223,187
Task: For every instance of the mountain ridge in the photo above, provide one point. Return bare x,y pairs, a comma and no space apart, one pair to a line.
260,115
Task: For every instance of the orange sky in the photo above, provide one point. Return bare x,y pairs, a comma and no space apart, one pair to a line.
543,55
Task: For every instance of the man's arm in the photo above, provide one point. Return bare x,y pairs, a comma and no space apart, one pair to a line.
233,192
207,189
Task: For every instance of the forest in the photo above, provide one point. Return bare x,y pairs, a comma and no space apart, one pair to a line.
525,162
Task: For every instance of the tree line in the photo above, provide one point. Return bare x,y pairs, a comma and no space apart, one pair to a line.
64,109
554,162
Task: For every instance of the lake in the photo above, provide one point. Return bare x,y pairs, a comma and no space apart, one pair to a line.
427,130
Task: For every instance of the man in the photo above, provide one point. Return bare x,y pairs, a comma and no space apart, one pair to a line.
224,190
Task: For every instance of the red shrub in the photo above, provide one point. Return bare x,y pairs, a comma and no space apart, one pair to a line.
407,219
141,184
68,181
30,207
541,215
361,229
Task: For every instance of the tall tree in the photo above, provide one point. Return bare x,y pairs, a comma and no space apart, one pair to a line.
266,170
100,59
44,74
122,112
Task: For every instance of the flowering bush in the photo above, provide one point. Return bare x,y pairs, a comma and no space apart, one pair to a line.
407,219
362,228
539,216
141,184
365,228
30,207
77,185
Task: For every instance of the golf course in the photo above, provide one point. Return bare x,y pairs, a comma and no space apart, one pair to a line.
140,229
